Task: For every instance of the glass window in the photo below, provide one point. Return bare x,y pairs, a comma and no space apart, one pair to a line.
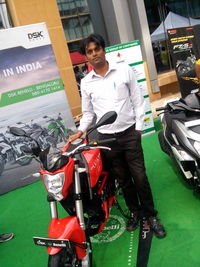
76,19
179,7
66,7
72,28
157,11
86,25
4,17
72,7
82,6
194,8
74,46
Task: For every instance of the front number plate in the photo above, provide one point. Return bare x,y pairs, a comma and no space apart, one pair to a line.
51,242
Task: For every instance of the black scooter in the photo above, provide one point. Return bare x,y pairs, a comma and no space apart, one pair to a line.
180,136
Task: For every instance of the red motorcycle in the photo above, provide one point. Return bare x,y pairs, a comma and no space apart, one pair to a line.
75,177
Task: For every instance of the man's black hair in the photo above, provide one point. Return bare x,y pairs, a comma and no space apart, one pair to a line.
95,38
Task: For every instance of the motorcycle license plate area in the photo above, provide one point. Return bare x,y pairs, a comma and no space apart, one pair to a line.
51,242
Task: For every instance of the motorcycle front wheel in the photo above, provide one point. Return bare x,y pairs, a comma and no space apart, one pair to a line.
65,258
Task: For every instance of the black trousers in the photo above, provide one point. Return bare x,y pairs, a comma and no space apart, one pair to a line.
126,163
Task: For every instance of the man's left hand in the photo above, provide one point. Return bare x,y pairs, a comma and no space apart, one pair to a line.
140,132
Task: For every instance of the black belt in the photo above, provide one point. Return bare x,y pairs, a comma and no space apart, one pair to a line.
118,133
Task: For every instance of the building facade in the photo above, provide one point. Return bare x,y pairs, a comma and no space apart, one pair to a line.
69,21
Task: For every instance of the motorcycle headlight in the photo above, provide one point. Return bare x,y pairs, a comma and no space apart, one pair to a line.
197,146
54,184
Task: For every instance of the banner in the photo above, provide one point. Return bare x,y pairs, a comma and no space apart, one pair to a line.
184,48
132,55
32,97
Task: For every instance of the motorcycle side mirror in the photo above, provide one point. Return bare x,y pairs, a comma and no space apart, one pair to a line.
107,118
45,117
17,131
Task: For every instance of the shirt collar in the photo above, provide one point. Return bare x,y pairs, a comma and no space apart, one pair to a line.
112,66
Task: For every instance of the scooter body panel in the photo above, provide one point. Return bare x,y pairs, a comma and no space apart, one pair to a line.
181,129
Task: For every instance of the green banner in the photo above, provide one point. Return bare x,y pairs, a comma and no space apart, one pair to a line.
141,80
122,46
136,63
30,92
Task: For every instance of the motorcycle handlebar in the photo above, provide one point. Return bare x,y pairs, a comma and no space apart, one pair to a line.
161,108
90,145
102,142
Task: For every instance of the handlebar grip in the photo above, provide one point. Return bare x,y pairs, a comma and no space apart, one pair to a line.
161,108
106,141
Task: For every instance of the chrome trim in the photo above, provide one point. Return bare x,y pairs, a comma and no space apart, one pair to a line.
179,158
53,209
78,202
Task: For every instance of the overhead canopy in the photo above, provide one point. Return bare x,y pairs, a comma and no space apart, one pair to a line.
77,58
172,21
194,21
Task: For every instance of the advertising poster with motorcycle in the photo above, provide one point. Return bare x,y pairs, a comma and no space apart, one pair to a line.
184,51
131,54
32,97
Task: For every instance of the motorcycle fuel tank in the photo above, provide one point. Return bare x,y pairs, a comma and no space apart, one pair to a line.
94,164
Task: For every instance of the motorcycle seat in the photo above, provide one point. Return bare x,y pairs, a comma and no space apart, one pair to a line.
192,100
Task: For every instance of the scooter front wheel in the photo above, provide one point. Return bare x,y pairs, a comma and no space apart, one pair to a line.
65,258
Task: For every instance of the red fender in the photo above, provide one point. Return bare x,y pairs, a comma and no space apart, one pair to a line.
67,228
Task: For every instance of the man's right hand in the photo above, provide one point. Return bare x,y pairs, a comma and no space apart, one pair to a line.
75,136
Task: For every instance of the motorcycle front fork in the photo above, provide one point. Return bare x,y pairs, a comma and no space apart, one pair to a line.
78,198
78,201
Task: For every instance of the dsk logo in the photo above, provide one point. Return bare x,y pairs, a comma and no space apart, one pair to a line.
35,35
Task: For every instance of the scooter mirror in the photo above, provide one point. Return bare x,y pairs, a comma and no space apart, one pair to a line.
17,131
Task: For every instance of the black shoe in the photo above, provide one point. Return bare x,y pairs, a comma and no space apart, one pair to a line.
133,221
6,237
157,228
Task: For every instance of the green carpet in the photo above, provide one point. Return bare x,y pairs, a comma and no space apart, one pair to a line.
25,212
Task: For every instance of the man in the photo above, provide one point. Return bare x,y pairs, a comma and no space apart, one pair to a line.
6,237
114,87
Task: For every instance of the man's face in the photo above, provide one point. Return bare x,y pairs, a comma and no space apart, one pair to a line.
95,54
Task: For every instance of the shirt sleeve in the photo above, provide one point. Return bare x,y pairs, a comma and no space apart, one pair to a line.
87,109
137,99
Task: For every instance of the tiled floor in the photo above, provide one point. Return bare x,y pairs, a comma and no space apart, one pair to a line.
160,102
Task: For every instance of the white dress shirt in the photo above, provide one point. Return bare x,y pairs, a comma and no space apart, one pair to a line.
117,91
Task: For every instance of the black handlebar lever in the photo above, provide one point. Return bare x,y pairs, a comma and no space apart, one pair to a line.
161,108
102,142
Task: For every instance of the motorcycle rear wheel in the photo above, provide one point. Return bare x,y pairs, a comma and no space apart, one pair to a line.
65,258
